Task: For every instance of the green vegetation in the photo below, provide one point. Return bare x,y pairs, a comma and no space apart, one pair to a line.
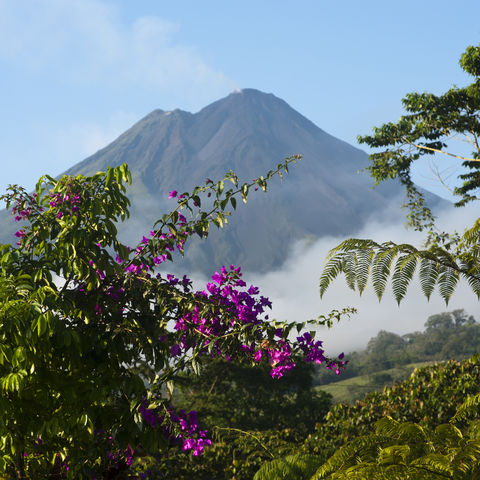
391,358
354,388
411,413
93,337
412,439
253,417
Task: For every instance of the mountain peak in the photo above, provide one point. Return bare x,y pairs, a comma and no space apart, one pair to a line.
250,132
251,92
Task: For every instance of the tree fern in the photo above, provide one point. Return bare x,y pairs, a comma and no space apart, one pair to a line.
360,260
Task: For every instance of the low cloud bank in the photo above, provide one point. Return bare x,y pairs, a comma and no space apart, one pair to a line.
294,291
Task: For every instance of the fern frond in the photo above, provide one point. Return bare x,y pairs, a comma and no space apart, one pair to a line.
382,264
350,269
334,266
294,467
474,283
393,455
448,433
358,259
428,275
403,272
362,449
364,260
471,236
470,407
435,463
387,426
447,281
467,458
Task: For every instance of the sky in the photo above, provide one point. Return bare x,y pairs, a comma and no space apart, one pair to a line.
77,73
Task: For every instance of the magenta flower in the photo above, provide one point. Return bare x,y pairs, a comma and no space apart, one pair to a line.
175,350
159,259
172,194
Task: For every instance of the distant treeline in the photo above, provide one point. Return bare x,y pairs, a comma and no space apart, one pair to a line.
447,335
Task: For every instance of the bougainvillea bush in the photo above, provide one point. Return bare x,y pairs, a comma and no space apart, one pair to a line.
93,333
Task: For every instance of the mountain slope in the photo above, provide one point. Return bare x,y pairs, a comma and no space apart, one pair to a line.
249,132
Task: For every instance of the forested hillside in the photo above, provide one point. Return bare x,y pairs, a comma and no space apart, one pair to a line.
390,357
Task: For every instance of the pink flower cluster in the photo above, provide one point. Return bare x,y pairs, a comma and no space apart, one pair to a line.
68,204
190,436
314,353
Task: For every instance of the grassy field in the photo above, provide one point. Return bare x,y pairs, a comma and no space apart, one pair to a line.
352,389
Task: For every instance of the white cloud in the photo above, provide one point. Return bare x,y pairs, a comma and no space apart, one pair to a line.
85,42
294,291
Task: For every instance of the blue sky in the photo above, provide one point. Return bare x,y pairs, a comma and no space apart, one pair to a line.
76,73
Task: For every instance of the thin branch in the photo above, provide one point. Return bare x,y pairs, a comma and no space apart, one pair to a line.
423,147
475,138
247,434
434,169
455,137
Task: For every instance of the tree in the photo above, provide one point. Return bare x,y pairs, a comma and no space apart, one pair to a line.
93,336
427,128
233,395
448,320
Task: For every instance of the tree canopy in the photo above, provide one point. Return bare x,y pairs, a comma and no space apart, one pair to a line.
432,124
428,127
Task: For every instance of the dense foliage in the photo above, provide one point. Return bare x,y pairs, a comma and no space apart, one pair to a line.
239,396
430,397
408,451
448,335
252,417
391,434
93,337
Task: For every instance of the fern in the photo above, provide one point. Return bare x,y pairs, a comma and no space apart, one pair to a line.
447,281
402,274
364,260
428,275
294,467
470,407
360,260
381,271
